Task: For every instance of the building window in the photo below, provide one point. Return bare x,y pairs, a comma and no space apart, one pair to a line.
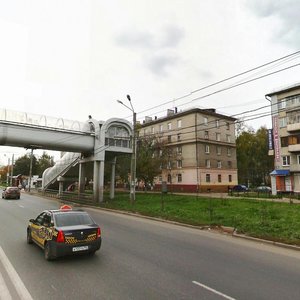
179,150
286,160
160,178
284,141
282,122
179,123
161,128
169,126
219,150
229,164
179,178
230,178
205,121
227,126
206,148
218,136
219,178
298,159
169,138
228,151
282,104
228,138
178,137
207,177
217,123
179,163
207,163
219,164
206,136
169,178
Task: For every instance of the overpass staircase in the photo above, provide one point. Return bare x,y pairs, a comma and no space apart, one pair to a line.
61,167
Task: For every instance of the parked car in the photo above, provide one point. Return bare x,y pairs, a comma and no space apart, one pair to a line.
263,189
64,232
11,192
240,188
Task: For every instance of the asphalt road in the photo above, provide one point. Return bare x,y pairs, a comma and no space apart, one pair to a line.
142,259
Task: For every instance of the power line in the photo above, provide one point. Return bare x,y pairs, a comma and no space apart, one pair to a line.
226,79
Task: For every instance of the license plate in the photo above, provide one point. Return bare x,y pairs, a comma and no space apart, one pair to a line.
81,248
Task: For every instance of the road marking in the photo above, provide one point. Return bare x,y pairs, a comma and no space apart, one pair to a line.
4,292
213,290
14,277
20,205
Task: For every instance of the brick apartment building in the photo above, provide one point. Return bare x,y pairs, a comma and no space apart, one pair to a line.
204,142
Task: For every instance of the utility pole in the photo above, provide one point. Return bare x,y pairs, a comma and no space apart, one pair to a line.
133,156
12,170
30,170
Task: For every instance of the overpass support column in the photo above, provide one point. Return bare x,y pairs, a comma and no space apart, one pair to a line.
60,188
98,180
112,179
81,180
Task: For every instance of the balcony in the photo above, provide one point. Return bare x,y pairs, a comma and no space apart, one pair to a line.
293,127
294,148
295,168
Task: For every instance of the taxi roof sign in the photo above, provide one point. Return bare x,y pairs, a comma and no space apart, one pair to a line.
65,207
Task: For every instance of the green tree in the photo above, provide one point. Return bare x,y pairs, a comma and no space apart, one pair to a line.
254,163
44,162
148,159
22,165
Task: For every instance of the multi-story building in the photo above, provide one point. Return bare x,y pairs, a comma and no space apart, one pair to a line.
285,107
204,143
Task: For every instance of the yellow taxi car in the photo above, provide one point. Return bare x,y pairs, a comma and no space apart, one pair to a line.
64,232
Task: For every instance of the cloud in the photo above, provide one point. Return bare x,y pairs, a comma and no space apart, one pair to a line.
160,64
172,36
286,12
135,39
157,51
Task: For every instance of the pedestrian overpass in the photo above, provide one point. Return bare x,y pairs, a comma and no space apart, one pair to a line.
84,143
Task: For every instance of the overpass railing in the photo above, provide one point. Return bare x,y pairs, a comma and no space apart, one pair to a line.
42,121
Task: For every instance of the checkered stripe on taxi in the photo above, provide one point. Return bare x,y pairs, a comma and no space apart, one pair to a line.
74,240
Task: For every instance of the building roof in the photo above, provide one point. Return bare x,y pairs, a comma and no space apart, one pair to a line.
174,114
284,90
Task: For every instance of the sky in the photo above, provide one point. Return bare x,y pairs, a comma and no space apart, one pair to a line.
73,58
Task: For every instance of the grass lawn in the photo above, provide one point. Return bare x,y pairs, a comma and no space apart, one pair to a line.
270,220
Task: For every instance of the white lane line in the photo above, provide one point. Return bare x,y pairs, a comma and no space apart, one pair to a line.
14,277
213,290
20,205
4,292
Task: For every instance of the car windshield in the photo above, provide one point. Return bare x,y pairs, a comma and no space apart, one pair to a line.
71,219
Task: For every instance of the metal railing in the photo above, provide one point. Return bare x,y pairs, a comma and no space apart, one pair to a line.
42,121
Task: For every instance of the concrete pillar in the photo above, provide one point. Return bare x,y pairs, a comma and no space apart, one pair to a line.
81,180
101,181
98,185
60,188
112,179
96,181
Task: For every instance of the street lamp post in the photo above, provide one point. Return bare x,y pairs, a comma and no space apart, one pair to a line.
133,156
